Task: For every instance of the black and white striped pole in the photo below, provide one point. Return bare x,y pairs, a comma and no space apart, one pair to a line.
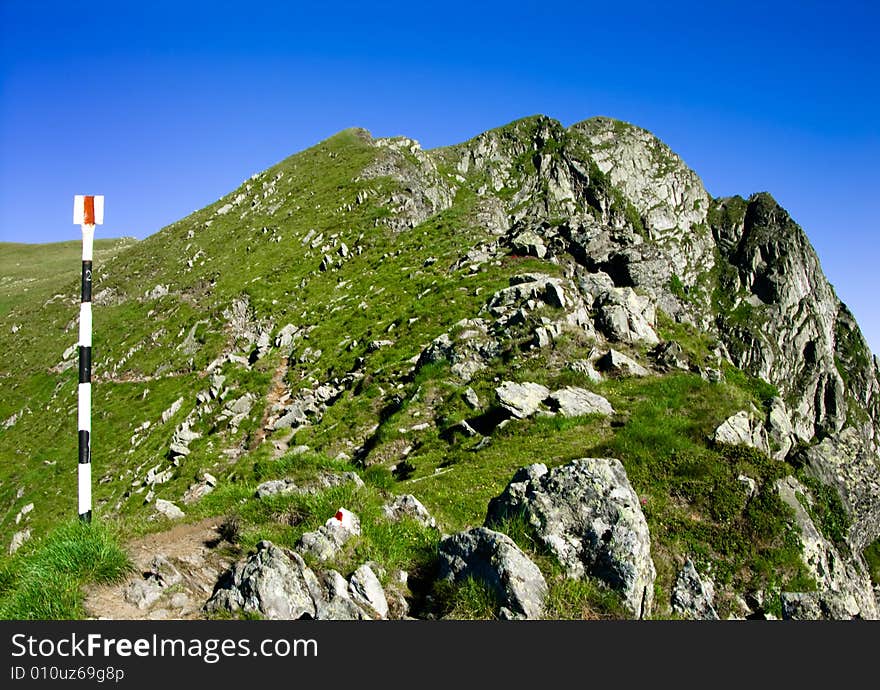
88,211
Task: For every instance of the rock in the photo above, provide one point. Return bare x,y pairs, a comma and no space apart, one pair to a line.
780,430
285,336
587,514
336,603
494,559
409,506
741,430
23,512
843,585
529,243
272,582
750,485
692,595
626,316
171,411
619,364
846,462
586,368
471,398
18,539
365,589
325,542
575,402
669,355
521,399
145,592
168,509
276,487
199,489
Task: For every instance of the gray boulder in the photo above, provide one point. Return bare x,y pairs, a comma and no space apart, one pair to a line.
494,559
273,582
276,487
693,595
168,509
530,244
587,514
626,316
575,402
741,430
409,506
619,364
366,590
522,400
326,542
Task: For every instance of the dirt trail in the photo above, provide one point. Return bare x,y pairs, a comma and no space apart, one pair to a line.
194,550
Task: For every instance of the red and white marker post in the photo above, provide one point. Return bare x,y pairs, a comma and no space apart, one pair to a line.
88,211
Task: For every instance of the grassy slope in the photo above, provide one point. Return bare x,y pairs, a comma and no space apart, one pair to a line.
694,504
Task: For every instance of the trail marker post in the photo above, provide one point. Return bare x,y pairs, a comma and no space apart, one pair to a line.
88,211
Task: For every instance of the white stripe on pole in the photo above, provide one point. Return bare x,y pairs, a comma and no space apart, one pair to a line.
84,407
88,232
85,487
85,324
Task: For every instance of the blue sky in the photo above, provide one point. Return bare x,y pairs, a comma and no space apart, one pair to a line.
164,107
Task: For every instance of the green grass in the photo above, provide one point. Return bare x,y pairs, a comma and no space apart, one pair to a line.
44,580
872,558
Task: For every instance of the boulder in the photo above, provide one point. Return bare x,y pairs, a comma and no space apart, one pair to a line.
693,595
529,243
619,364
272,582
168,509
325,542
276,487
575,402
670,355
625,316
521,399
495,560
741,430
587,514
366,590
408,506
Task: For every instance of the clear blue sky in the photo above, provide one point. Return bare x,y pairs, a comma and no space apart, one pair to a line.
164,107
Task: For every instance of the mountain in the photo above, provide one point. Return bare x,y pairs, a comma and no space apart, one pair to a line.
651,398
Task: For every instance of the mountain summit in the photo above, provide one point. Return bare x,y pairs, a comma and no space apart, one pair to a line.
548,342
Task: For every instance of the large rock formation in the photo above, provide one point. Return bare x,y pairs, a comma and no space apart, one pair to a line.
587,514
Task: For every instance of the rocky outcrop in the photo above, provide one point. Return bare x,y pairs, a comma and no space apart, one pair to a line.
495,560
522,400
572,401
326,542
408,506
618,364
693,595
273,582
587,514
843,586
741,429
846,462
276,584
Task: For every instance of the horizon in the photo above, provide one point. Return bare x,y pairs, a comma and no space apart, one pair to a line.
165,119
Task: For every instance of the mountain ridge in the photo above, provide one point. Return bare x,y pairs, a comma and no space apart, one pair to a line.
330,298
